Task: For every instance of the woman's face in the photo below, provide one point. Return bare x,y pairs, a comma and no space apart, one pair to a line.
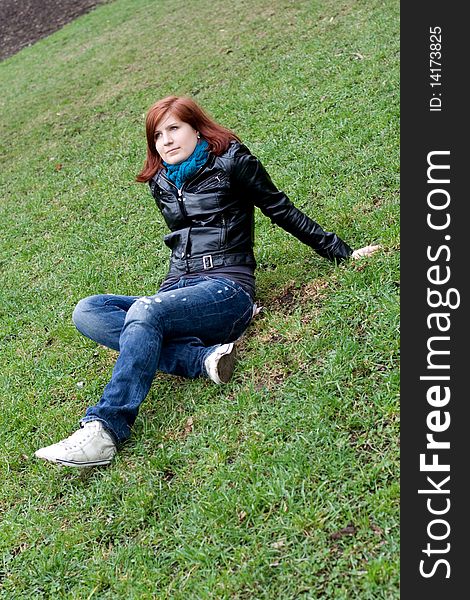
175,140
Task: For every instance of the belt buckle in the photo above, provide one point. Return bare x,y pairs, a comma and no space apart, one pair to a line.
207,262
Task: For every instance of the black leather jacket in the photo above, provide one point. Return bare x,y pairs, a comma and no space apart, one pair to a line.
211,218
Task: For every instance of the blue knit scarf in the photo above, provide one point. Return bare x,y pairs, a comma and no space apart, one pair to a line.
180,172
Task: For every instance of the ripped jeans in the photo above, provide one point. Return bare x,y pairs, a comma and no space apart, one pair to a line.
173,331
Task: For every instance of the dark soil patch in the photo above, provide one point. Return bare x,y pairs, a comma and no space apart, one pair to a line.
294,295
23,22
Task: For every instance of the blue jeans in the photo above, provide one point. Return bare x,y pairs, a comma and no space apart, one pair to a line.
173,331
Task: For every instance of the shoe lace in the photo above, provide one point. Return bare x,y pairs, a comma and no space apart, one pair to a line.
78,438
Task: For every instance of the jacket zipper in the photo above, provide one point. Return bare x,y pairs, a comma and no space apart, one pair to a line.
180,190
224,231
183,209
181,203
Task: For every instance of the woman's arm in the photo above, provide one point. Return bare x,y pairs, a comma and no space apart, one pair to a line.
252,179
365,251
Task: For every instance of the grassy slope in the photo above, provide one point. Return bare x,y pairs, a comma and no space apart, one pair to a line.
239,492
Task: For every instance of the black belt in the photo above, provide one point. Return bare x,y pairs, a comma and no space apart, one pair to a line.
209,261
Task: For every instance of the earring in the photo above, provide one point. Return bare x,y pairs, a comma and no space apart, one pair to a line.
198,136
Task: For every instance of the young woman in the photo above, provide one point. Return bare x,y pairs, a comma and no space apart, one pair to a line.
206,184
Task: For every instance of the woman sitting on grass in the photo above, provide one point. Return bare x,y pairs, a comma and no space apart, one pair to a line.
206,184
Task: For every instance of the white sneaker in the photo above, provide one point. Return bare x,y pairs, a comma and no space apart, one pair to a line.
220,364
90,446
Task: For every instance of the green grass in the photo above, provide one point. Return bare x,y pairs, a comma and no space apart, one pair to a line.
284,483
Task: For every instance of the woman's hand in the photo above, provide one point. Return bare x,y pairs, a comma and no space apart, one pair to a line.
366,251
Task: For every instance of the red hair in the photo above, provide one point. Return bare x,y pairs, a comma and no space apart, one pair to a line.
186,110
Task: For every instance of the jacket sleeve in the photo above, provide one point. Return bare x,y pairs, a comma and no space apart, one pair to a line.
252,179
